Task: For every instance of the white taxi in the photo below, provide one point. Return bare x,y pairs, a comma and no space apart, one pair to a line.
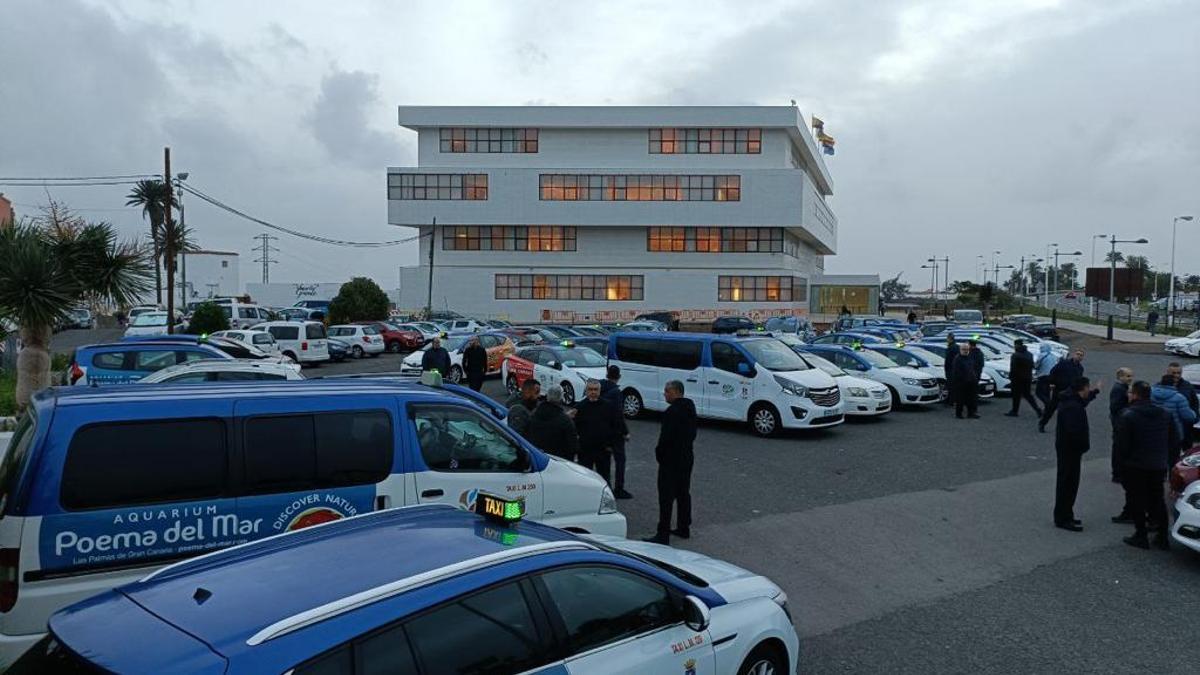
563,364
1189,345
863,397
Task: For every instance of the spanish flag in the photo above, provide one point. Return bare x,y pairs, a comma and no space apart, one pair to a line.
817,123
824,138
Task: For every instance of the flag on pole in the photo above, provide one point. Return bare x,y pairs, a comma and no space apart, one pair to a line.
817,123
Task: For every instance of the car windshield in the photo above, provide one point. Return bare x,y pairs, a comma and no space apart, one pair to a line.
774,355
876,359
580,358
820,363
928,356
80,313
453,342
370,330
150,319
789,339
1194,336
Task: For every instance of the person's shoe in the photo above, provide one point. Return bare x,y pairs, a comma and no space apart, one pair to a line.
1077,521
1010,414
1138,541
1070,527
622,494
973,416
659,539
1123,518
1162,542
682,534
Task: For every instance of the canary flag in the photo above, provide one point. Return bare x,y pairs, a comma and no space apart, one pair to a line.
824,138
817,123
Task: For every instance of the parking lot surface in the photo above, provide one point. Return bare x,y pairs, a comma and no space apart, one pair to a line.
921,543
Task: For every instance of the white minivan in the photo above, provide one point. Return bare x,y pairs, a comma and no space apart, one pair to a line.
301,341
756,379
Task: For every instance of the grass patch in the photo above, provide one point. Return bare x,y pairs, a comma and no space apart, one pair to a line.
8,393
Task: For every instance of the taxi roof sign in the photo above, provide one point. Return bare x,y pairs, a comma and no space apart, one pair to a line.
497,508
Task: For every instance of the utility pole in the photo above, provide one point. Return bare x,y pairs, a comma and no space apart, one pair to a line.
169,249
264,250
432,242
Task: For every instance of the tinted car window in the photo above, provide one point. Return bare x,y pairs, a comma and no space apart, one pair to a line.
488,633
247,313
284,332
152,361
124,463
260,339
109,360
726,357
286,453
314,331
458,439
338,662
340,331
680,354
600,605
189,378
637,350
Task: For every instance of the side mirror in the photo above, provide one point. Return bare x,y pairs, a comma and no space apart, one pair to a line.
554,364
744,368
695,614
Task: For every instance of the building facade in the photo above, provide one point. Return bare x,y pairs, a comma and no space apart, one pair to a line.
602,213
208,274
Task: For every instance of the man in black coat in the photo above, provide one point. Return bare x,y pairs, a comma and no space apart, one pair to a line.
551,429
675,459
1145,435
1118,399
1020,374
610,390
1062,375
948,368
475,364
1071,441
436,358
977,359
964,384
598,426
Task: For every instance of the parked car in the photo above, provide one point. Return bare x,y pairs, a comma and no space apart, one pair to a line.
79,318
590,331
908,386
1184,346
849,339
259,339
644,326
294,314
732,324
363,340
130,361
794,325
567,365
1044,329
395,338
151,323
339,350
596,344
317,309
497,324
863,397
224,370
498,345
304,342
560,331
668,319
968,316
463,326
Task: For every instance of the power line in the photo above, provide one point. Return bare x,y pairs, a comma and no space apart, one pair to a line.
8,182
266,248
70,178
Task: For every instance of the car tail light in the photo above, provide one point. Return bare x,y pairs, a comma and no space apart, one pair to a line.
76,373
9,559
303,346
366,338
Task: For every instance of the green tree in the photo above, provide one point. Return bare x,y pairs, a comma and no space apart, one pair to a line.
1114,255
208,318
151,195
893,290
360,299
52,263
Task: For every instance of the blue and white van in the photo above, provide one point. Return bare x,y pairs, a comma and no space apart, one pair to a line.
130,360
753,378
101,485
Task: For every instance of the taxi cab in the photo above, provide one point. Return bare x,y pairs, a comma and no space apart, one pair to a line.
565,364
907,386
488,593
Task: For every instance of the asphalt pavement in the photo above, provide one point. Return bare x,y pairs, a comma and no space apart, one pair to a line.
920,543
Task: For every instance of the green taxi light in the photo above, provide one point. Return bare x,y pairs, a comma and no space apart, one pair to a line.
899,343
499,509
567,343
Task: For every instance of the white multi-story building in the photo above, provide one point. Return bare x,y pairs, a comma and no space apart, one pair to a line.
602,213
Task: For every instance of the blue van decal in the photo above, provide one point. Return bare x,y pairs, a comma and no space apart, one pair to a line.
129,536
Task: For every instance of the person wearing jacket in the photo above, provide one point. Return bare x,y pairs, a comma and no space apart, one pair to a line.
610,390
1118,399
520,411
948,368
1062,375
977,358
436,358
1165,396
1042,365
1020,374
675,459
551,429
964,384
1071,441
475,364
1145,435
1189,392
598,427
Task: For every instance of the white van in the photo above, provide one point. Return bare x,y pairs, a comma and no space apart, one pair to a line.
301,341
242,315
756,379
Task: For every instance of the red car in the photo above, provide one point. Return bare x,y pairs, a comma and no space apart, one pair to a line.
394,339
1185,472
1071,295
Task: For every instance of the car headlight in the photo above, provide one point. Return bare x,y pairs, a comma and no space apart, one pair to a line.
857,391
608,502
791,387
911,381
1002,373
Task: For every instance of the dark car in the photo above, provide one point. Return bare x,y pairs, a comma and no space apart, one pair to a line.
1043,329
396,340
338,350
666,318
732,324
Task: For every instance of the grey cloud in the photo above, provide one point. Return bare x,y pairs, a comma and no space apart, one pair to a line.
340,122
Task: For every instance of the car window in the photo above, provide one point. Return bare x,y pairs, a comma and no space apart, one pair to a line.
284,332
637,350
284,453
459,439
187,356
109,360
247,313
338,331
370,330
902,358
314,331
680,354
242,376
601,605
188,378
726,357
262,339
488,341
582,358
848,362
152,361
489,633
124,463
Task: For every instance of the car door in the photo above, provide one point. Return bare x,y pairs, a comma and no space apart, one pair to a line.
726,390
617,621
681,360
459,451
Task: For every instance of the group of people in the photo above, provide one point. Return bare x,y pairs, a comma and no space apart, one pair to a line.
593,433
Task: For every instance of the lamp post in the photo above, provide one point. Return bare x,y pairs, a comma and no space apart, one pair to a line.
978,265
996,271
945,260
1091,299
1046,280
1057,253
932,282
1171,295
1112,273
1024,285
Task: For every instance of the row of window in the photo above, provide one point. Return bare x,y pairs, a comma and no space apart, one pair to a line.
443,186
539,238
721,240
640,188
459,139
570,287
705,141
761,289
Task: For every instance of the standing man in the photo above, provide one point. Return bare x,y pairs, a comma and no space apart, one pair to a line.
1045,362
977,359
610,391
964,384
1118,399
948,368
912,317
1193,400
1145,434
675,459
1020,372
1166,396
1062,377
436,358
1152,321
475,363
551,429
1071,441
521,412
597,425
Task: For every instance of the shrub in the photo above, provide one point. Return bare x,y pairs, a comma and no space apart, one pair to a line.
208,318
359,299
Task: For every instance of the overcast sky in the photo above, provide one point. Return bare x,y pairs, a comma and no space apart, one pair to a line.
962,126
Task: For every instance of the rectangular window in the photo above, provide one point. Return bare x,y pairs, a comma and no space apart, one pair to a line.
487,140
533,238
755,289
614,287
716,240
639,188
705,141
130,463
288,453
439,186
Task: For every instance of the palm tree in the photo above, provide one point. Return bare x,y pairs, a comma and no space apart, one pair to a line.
50,264
151,195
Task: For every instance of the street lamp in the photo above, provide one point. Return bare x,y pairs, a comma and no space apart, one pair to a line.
1092,299
1171,295
996,272
979,264
932,281
1112,273
1057,253
1046,280
1024,285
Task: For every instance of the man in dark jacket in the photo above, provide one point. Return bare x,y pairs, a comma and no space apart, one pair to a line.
475,364
1193,400
1118,399
1064,373
1071,441
1020,374
520,411
964,384
1145,434
436,358
675,459
551,429
977,359
598,426
610,390
948,368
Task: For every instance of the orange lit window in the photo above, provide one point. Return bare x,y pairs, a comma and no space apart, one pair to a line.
639,188
486,140
670,141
